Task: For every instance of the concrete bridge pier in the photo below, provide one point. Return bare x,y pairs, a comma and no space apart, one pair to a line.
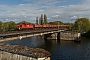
58,36
52,36
47,35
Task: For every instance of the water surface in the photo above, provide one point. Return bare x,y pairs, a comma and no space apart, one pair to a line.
60,50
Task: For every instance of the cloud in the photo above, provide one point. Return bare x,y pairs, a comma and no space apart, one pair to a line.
51,8
73,17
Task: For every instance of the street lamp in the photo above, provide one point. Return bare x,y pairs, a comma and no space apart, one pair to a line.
58,25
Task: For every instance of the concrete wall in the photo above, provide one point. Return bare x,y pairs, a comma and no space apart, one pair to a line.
11,56
69,35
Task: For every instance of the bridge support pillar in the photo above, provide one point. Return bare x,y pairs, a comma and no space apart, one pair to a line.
46,36
58,36
52,36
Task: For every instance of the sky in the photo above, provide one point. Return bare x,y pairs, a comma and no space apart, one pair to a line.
55,10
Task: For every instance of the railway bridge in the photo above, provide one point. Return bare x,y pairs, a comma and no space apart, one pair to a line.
11,35
47,33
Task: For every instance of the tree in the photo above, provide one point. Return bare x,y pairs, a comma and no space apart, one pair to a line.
41,19
24,22
45,19
36,20
1,25
12,25
56,22
82,24
6,26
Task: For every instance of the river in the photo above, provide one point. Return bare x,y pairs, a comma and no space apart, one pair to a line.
60,50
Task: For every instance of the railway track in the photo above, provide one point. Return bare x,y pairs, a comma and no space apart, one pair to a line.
7,33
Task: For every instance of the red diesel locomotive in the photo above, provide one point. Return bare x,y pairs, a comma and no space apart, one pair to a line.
25,26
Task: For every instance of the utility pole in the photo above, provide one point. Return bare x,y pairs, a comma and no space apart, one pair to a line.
58,22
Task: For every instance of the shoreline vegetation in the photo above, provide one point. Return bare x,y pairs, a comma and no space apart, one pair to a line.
86,35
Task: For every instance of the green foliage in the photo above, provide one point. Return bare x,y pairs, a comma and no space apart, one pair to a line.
7,26
41,19
87,34
12,25
36,20
24,22
1,25
45,19
82,25
56,22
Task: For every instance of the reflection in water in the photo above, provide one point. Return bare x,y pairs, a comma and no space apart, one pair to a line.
60,50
